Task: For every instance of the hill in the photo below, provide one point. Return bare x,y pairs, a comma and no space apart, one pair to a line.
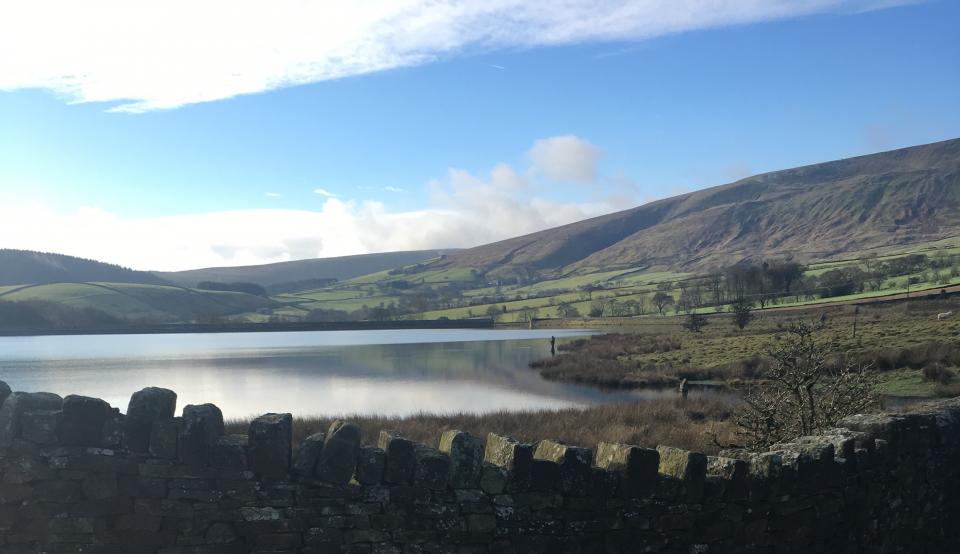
139,302
890,199
280,273
20,267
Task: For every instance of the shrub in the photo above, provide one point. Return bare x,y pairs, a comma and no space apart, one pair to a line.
802,394
695,322
947,391
742,312
938,373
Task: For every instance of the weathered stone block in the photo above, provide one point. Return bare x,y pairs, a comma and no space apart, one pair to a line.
493,479
512,455
338,458
371,463
200,428
220,533
730,474
401,458
16,404
112,433
164,434
271,443
574,464
145,407
307,455
726,468
765,465
638,467
41,427
432,469
4,392
544,475
689,467
876,426
466,458
230,452
83,420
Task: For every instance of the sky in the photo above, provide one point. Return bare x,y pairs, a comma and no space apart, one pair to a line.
175,135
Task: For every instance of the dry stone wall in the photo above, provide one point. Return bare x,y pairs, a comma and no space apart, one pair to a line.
76,475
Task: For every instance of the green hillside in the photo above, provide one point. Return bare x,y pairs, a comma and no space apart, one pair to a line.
154,303
21,267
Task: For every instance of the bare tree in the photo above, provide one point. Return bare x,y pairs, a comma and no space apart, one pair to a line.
598,308
565,310
802,394
661,300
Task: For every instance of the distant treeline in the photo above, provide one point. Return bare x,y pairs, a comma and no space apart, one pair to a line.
259,290
775,281
770,282
51,316
248,288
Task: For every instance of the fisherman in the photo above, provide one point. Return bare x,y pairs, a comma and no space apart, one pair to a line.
683,389
553,346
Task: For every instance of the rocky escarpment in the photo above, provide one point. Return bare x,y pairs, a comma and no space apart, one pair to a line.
76,475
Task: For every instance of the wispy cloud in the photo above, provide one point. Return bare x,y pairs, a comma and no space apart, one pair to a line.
392,189
273,195
153,55
324,192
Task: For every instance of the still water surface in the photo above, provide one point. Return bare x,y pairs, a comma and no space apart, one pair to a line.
391,372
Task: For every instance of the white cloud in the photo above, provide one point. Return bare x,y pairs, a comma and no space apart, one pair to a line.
392,189
272,194
153,55
464,210
566,159
324,192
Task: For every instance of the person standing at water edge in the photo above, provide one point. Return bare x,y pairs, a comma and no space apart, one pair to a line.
683,389
553,346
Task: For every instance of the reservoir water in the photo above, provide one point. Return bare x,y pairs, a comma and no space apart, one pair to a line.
389,372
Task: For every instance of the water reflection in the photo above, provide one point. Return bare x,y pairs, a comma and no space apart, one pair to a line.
315,373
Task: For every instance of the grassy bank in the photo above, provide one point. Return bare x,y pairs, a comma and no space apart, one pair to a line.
903,336
686,424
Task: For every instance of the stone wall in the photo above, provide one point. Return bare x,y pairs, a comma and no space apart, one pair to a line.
78,476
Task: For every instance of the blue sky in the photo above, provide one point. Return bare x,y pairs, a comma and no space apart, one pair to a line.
436,144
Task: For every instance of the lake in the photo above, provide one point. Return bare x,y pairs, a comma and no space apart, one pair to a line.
389,372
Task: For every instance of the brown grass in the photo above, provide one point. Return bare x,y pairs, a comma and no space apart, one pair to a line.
686,424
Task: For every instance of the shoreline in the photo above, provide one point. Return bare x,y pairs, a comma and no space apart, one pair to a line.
192,328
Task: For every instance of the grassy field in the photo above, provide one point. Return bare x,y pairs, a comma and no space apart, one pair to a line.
898,339
691,425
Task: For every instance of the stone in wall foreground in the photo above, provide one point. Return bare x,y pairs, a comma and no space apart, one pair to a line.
76,475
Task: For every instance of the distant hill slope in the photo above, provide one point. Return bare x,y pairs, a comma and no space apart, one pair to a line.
344,267
19,267
155,303
892,198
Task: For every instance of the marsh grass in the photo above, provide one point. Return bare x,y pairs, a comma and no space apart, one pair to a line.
689,424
